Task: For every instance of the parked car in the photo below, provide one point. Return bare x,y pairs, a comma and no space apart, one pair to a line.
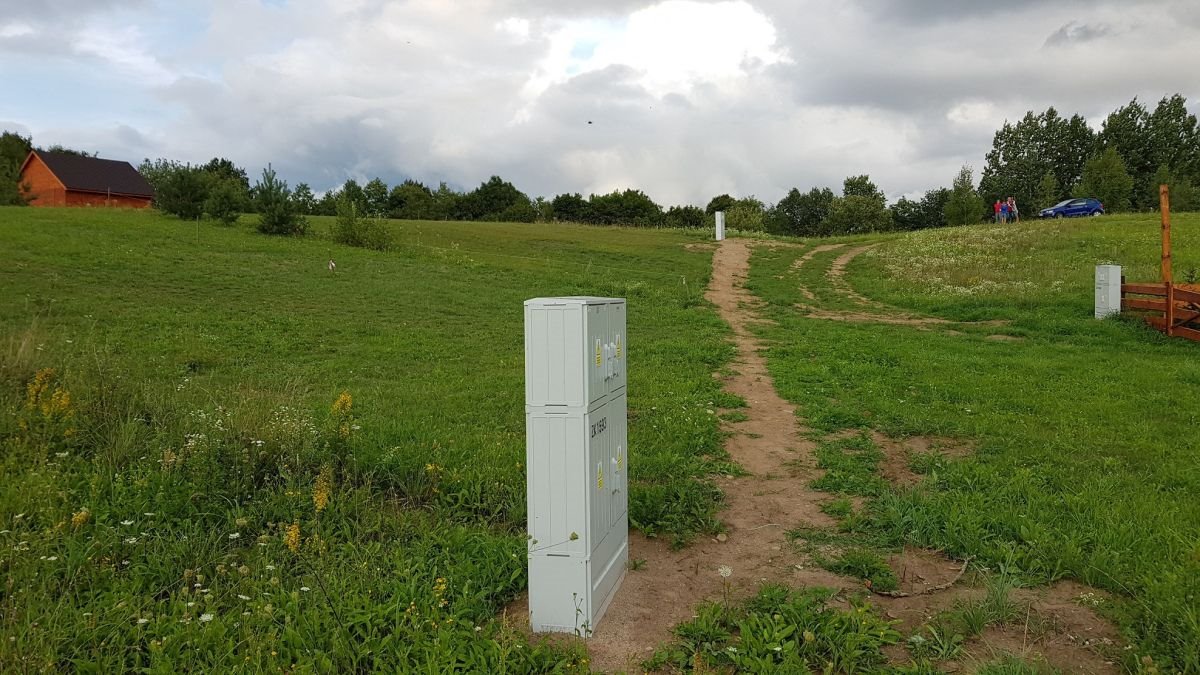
1074,207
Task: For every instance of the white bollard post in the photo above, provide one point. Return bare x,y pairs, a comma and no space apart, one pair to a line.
720,217
1108,290
577,460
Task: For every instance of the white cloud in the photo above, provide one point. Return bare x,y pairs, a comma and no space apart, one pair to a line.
686,98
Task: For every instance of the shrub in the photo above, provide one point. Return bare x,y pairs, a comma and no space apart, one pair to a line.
225,201
278,211
182,190
685,216
352,229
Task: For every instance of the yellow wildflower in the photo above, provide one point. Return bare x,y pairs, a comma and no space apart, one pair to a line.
38,386
343,404
291,538
81,518
323,489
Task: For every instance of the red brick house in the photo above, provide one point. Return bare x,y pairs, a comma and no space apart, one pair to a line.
64,179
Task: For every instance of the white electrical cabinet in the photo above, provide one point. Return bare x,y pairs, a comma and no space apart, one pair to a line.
1108,290
576,459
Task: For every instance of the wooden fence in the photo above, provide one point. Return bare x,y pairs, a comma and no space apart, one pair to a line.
1171,308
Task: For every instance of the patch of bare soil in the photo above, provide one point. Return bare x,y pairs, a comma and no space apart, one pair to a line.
707,246
898,454
1058,629
897,319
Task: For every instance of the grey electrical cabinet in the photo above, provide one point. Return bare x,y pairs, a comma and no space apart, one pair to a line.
576,459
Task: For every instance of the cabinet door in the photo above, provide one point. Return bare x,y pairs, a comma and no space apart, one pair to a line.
619,341
595,350
619,496
600,436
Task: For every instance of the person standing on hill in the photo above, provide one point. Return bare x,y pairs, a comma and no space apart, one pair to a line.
996,207
1013,213
1003,212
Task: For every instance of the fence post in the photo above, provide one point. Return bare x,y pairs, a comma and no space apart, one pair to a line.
1164,207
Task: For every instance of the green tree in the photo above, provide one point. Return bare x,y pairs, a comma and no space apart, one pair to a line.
857,214
928,211
800,214
1174,138
306,202
1048,193
628,207
1022,153
1182,191
14,149
354,192
445,201
1105,178
691,217
964,205
571,208
69,151
719,203
181,190
1126,131
746,215
376,195
411,200
861,186
277,209
222,168
226,199
496,199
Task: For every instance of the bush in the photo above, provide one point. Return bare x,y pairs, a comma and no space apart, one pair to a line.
685,216
225,201
857,214
352,229
182,190
278,211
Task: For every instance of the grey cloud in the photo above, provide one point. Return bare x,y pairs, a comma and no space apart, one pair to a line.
1074,33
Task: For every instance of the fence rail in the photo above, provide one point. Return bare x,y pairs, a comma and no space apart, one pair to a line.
1171,308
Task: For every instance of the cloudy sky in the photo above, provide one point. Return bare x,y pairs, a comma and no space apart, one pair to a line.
681,98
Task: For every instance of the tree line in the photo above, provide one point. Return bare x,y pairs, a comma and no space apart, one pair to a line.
1039,160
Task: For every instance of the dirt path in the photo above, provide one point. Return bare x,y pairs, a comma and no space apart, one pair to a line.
761,507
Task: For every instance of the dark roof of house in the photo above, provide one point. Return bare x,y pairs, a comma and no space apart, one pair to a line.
91,174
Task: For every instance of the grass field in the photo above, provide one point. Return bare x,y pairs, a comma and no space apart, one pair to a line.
186,486
1086,462
220,455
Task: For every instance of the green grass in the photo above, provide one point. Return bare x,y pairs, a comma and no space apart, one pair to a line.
779,630
202,363
1086,431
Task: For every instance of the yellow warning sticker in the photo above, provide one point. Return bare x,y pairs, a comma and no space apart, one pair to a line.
600,477
597,353
618,346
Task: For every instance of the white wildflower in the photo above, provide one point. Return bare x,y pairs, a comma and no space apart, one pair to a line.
126,523
243,597
235,535
140,621
206,617
725,571
305,589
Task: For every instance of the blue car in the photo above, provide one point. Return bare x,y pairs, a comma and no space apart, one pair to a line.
1074,207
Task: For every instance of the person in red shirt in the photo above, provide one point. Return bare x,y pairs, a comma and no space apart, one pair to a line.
996,206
